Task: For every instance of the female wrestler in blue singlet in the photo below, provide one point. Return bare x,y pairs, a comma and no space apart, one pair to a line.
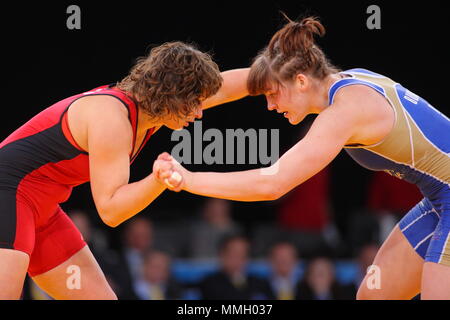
382,125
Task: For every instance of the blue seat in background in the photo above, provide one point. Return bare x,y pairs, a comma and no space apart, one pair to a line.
346,271
192,271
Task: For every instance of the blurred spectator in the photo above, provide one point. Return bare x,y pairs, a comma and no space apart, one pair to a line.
215,223
304,215
157,283
303,218
283,260
95,240
138,239
388,194
365,259
108,260
390,198
232,282
319,282
305,208
363,227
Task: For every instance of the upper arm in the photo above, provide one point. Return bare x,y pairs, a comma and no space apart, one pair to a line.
109,140
234,87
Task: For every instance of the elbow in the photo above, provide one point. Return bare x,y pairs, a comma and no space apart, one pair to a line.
107,218
271,191
112,224
108,221
275,194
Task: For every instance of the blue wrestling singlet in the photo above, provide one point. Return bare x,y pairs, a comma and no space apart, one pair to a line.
417,150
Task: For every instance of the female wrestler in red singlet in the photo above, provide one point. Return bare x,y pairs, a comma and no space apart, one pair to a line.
94,136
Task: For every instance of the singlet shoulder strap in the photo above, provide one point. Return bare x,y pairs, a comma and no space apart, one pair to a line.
351,80
107,90
148,134
129,103
133,113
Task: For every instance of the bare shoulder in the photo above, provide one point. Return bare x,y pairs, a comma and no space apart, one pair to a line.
107,114
104,105
99,119
362,100
369,112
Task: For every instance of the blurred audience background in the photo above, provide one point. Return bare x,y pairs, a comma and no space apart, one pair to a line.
210,253
301,246
232,281
285,274
156,282
317,241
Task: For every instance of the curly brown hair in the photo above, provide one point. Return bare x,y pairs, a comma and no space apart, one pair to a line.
172,80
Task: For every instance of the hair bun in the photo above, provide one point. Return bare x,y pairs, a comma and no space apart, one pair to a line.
296,36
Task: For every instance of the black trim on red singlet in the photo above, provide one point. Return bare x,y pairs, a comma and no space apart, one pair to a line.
25,155
8,220
102,94
18,159
129,118
136,109
148,133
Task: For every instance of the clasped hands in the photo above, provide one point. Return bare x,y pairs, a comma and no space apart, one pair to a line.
169,172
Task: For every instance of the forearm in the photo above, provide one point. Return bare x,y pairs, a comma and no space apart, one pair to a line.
234,87
259,184
297,165
130,199
249,185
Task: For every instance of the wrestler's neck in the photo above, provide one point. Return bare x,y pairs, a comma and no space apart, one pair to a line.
320,100
145,122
